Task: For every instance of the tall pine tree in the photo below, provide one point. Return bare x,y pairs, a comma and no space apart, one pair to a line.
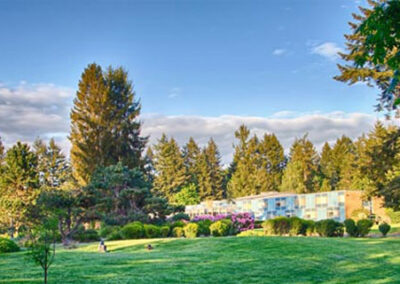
170,169
104,126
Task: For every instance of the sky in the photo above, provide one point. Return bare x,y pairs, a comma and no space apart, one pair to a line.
200,68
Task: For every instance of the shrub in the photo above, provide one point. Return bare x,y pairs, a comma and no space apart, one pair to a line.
82,235
228,222
191,230
309,227
282,226
364,226
132,231
180,216
296,226
258,224
210,217
115,235
177,232
251,233
106,230
269,227
329,228
242,222
360,214
384,228
220,228
151,231
177,224
204,228
7,245
164,231
351,227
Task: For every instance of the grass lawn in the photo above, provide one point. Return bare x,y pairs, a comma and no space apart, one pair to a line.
218,260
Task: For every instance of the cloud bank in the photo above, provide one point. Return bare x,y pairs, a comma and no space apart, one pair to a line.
329,50
42,110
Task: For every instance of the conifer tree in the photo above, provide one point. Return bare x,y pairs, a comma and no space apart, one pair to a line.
305,159
344,161
327,169
19,184
104,126
1,152
170,168
191,152
272,160
214,171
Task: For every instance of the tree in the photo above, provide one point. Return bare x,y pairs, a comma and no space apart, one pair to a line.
42,246
53,167
344,163
305,159
272,160
1,152
191,153
148,167
245,179
104,126
19,184
187,196
327,169
170,168
373,51
210,176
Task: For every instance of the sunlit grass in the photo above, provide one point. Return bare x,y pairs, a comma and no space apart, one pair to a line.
218,260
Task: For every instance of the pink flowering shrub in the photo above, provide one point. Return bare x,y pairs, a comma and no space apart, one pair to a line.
242,221
210,217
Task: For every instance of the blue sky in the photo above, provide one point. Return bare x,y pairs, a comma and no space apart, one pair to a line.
200,68
188,57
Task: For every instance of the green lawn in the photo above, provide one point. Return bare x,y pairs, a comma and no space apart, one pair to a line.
219,260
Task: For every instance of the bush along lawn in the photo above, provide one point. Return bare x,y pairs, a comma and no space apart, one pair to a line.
217,260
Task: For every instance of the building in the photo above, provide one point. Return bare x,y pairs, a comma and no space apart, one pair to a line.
337,205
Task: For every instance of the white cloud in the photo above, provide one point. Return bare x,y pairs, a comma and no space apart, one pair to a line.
28,111
279,51
328,49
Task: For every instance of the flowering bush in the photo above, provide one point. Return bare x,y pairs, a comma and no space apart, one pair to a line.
242,222
210,217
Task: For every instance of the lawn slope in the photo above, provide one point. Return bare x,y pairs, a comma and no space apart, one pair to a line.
218,260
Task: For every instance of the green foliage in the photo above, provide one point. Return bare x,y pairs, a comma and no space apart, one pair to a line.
178,224
105,230
89,235
300,173
164,231
329,228
364,226
133,230
384,228
104,125
257,165
187,196
251,233
393,215
351,227
19,185
220,228
269,227
360,214
7,245
191,230
177,232
151,231
204,227
210,174
180,216
170,169
115,235
297,226
191,153
310,227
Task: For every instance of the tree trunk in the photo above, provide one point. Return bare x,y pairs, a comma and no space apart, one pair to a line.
45,275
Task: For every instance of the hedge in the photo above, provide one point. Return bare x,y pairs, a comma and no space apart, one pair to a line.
7,245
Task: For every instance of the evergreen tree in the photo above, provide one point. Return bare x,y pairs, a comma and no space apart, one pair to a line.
18,184
344,161
191,152
272,161
373,51
2,149
305,159
214,170
104,126
327,169
170,168
247,178
148,167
